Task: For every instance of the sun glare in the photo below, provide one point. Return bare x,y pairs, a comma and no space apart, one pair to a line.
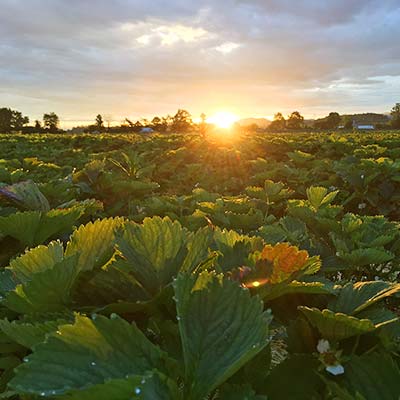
223,119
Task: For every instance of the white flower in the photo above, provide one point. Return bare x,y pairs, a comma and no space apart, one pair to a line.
323,346
335,369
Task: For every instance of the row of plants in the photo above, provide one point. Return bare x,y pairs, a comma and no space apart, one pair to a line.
170,267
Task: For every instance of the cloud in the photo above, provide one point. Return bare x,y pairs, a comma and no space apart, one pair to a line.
133,58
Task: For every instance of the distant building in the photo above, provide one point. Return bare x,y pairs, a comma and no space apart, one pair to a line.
364,127
147,130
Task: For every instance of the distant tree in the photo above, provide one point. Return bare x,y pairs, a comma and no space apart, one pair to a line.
18,120
348,123
5,119
395,113
51,122
99,123
181,121
156,122
279,122
11,120
145,122
129,122
295,121
332,121
38,125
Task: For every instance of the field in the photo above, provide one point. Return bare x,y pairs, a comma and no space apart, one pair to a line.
161,267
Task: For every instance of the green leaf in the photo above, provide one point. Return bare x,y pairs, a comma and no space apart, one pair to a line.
57,221
361,257
238,392
222,327
85,355
94,242
319,196
38,259
21,226
32,228
155,251
47,291
26,195
294,378
28,334
354,298
374,376
336,326
152,386
197,249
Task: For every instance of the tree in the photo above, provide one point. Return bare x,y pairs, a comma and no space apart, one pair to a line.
18,120
11,120
395,113
51,121
279,122
99,123
38,126
295,120
348,123
332,121
181,121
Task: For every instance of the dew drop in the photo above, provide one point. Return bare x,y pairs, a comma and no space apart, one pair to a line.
143,381
92,363
138,390
113,316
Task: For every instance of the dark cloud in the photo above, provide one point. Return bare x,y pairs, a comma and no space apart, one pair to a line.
125,57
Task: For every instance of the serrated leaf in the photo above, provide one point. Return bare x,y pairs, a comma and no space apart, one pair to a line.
222,327
29,334
155,251
374,376
32,228
152,386
354,298
336,326
85,355
197,249
56,221
94,242
46,291
36,260
26,195
318,196
21,226
361,257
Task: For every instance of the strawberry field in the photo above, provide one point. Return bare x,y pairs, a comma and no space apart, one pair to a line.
165,267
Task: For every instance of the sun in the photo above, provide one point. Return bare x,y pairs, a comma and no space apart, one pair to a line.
223,119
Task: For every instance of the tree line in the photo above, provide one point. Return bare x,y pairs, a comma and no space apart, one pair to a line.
295,121
182,121
12,120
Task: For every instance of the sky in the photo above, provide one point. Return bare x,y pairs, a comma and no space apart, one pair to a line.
136,58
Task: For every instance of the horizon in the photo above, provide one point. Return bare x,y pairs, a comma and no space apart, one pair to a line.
246,57
71,123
